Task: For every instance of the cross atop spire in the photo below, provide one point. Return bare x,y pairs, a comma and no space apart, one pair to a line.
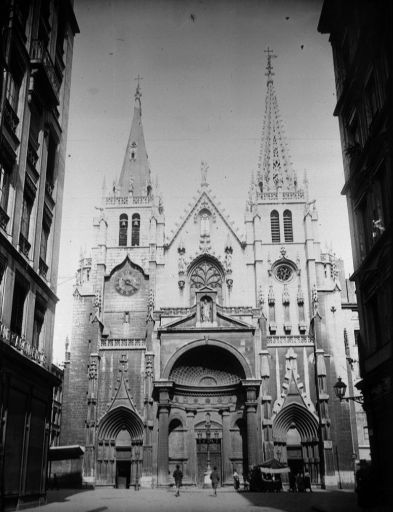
269,66
138,93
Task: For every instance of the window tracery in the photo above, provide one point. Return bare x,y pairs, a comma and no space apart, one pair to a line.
205,274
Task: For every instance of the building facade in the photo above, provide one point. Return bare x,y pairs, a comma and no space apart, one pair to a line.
194,347
361,39
36,56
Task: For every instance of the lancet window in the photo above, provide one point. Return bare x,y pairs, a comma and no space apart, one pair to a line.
275,226
123,228
136,225
288,229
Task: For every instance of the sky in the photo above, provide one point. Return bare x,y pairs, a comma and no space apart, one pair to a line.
203,87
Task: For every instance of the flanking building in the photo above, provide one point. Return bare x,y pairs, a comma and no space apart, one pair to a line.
36,56
362,44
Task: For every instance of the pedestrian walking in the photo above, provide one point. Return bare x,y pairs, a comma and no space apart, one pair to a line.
307,481
236,480
292,482
215,478
178,476
55,482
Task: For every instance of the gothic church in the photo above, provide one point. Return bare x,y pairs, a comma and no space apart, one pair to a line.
195,348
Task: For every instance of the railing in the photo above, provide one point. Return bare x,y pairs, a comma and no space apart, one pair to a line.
43,268
3,219
126,200
122,343
21,345
274,196
24,245
32,156
298,194
284,341
11,120
40,54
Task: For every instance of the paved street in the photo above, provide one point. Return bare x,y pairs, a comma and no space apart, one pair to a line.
195,500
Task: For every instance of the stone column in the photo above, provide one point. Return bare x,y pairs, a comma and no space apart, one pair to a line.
251,387
226,447
163,445
191,468
252,440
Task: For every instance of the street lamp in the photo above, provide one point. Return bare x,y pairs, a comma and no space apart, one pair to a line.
340,388
208,435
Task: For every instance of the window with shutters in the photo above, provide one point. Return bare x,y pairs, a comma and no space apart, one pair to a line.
275,226
136,225
123,228
288,230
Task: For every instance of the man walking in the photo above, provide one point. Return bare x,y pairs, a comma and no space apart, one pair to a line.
215,478
178,476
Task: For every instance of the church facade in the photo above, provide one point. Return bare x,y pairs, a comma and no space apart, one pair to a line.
195,348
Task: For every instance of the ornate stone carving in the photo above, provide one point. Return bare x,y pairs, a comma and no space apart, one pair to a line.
206,310
206,274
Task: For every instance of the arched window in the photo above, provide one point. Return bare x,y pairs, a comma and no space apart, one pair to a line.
136,225
205,222
123,228
275,226
288,231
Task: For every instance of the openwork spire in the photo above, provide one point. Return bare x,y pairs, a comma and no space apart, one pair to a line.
274,166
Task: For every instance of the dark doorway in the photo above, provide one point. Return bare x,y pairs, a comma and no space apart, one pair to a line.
123,468
208,450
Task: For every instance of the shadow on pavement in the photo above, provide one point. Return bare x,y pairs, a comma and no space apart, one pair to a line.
62,495
318,501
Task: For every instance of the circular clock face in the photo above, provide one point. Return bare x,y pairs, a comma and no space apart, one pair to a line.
127,282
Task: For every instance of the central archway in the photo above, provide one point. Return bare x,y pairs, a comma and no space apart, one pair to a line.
207,414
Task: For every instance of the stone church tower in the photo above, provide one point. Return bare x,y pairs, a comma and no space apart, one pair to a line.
194,348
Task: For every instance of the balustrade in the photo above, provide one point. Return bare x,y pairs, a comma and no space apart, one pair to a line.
20,343
40,55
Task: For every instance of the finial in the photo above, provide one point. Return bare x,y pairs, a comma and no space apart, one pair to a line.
269,67
138,93
204,169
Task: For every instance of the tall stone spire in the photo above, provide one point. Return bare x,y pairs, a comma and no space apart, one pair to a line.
135,178
274,166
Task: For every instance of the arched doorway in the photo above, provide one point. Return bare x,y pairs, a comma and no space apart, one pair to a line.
119,448
295,433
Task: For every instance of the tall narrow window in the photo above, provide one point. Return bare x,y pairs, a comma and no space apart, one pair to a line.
25,225
18,304
136,224
39,316
4,188
288,231
275,226
123,228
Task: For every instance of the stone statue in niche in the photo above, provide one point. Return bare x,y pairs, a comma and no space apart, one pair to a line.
206,310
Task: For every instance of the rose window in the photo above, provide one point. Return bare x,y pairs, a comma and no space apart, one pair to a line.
283,272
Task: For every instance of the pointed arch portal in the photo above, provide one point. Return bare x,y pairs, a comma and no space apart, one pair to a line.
295,434
119,448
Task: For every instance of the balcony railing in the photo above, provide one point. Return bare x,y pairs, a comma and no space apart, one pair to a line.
24,245
43,268
11,120
39,54
32,156
3,219
20,344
